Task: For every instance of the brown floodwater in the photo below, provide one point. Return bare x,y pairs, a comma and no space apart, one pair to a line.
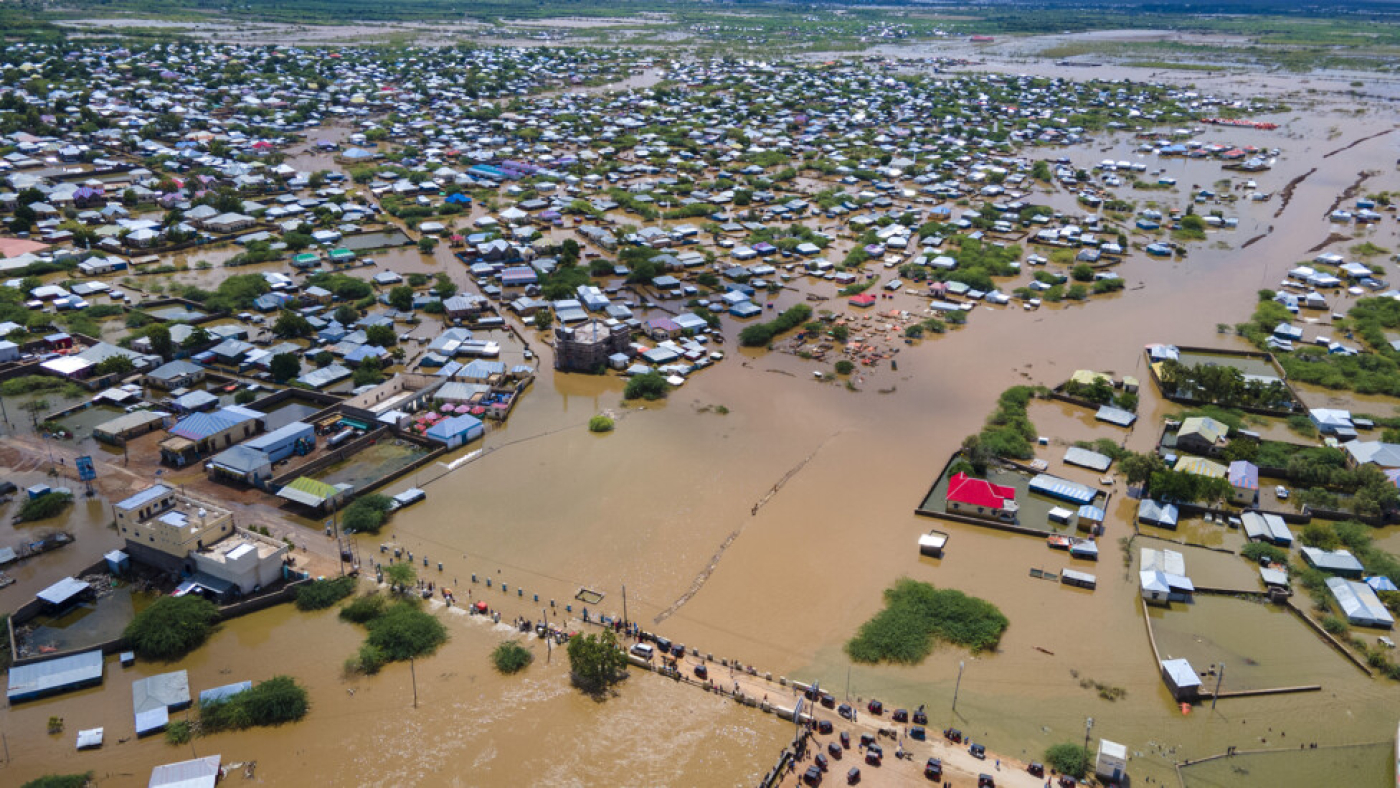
679,505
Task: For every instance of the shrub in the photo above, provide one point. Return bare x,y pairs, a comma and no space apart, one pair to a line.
760,334
178,732
273,702
364,608
171,627
600,424
45,506
1333,624
844,367
511,657
916,614
648,386
59,781
1068,759
366,514
1255,551
321,594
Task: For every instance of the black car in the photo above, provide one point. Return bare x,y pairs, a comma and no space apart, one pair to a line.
845,711
986,781
917,733
824,726
873,755
920,718
853,776
835,750
1036,770
663,645
978,751
875,707
828,700
813,776
933,769
845,740
900,715
821,762
702,672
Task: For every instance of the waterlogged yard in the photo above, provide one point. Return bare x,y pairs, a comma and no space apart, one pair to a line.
369,465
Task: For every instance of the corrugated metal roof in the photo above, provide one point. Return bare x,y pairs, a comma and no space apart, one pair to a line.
144,497
55,675
198,773
63,591
224,693
307,491
1359,603
1085,458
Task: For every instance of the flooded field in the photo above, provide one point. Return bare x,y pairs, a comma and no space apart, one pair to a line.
1360,765
85,624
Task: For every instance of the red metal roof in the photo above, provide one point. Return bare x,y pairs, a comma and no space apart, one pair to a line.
978,492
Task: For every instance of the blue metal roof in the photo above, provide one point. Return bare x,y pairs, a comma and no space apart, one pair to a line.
224,693
1065,490
199,426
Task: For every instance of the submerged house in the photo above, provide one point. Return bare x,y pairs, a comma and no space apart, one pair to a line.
980,498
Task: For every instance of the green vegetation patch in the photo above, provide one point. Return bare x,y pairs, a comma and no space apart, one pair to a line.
511,657
916,615
273,702
171,627
321,594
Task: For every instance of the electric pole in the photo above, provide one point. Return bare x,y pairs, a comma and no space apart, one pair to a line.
625,619
1088,726
1219,677
414,674
957,687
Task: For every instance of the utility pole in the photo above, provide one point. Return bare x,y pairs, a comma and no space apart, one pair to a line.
1088,726
1219,677
848,683
957,687
625,619
414,674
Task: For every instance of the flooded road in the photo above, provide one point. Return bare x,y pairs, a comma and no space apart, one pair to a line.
668,505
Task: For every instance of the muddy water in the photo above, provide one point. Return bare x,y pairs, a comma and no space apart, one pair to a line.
669,505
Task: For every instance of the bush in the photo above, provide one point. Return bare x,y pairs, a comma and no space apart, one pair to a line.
45,506
404,631
760,334
321,594
648,386
178,732
273,702
364,608
511,657
59,781
844,367
1068,759
1255,551
1333,624
916,614
600,424
366,514
171,627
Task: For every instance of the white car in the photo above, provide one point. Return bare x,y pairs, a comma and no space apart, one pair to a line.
1281,492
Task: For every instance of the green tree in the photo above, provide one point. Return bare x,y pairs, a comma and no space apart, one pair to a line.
159,337
198,338
346,315
543,319
405,632
284,367
1082,273
368,373
381,336
648,386
427,244
291,325
366,514
401,298
445,287
1071,759
400,576
171,627
114,365
595,661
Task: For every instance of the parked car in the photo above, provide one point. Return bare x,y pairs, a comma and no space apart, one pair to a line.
853,776
900,715
986,781
835,750
875,707
1281,492
978,751
813,776
643,650
1036,770
821,762
873,755
824,726
845,711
